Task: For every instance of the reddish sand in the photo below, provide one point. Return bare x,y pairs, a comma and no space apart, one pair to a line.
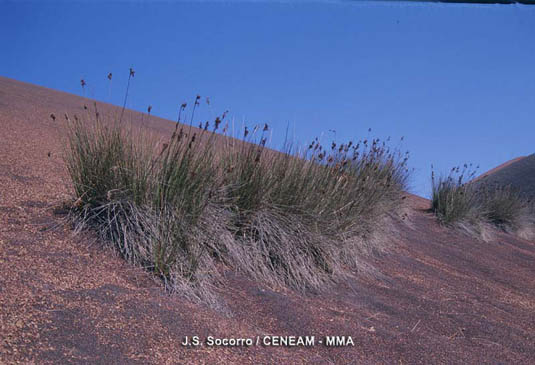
438,297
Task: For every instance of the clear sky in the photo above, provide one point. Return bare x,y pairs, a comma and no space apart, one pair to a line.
457,81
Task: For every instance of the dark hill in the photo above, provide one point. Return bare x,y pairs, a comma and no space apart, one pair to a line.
518,173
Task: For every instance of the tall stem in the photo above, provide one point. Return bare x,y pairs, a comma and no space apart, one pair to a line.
125,97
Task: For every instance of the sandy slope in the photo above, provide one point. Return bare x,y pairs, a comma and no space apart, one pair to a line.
441,298
518,173
499,168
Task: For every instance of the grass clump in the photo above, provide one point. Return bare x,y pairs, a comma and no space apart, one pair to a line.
504,207
198,202
301,217
454,199
458,200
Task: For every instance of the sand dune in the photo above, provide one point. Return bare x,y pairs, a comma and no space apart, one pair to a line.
437,297
518,173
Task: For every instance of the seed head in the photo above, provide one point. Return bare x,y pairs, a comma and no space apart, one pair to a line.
149,109
217,123
82,82
132,72
53,117
109,76
266,127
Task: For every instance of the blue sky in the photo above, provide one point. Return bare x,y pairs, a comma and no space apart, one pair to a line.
457,81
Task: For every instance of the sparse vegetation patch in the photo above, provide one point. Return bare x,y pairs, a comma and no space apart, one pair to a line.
458,200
